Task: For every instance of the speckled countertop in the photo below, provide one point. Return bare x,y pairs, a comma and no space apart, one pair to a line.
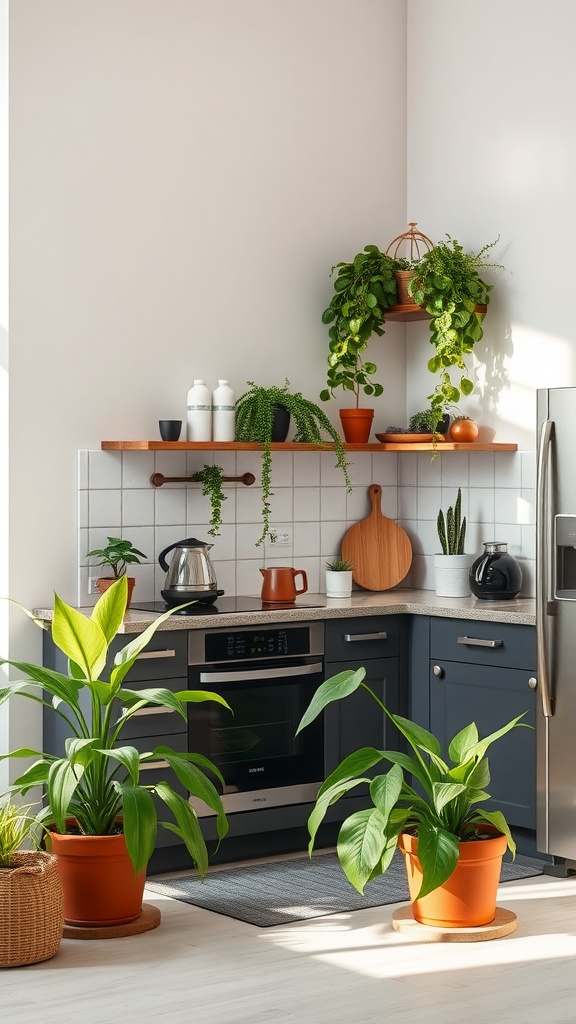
521,611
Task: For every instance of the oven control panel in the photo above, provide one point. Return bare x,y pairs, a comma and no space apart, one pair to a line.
250,643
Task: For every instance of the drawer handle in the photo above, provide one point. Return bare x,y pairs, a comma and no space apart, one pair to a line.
149,766
438,671
351,638
152,711
156,654
472,641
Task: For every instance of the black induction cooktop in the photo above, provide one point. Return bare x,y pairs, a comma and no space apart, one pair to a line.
226,606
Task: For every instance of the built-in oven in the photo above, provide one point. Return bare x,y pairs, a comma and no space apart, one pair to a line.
268,675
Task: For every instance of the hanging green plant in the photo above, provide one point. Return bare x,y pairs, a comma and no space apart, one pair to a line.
448,285
254,419
211,479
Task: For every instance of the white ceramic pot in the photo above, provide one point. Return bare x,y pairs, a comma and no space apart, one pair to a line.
338,584
453,575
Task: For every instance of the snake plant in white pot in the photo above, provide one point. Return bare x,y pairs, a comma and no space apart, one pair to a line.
452,567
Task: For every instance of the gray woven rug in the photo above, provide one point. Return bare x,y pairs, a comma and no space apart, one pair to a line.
296,890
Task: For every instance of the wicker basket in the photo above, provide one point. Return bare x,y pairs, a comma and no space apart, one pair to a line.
31,909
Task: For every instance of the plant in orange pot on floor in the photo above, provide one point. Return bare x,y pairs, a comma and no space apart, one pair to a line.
427,805
363,290
101,815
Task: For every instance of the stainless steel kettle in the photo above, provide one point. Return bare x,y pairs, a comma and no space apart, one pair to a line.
190,574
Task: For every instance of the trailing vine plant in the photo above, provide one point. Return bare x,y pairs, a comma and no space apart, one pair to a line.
211,479
254,419
448,285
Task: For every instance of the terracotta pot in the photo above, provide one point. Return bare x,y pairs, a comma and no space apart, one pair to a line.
356,424
105,583
100,887
468,897
31,914
403,278
464,431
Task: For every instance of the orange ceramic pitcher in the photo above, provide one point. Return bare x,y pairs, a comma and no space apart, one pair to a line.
279,584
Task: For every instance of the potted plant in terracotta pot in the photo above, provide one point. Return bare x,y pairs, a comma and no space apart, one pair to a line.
452,847
452,567
117,555
102,817
31,899
363,290
256,421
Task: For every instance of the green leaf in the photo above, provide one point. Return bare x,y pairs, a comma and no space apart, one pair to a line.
466,386
445,792
355,765
462,743
109,609
385,790
323,802
361,842
187,827
371,300
438,854
81,639
140,823
195,781
129,757
126,657
335,688
62,783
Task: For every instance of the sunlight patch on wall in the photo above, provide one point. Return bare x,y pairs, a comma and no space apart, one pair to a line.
540,360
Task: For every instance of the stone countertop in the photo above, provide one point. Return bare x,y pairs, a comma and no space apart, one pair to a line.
521,611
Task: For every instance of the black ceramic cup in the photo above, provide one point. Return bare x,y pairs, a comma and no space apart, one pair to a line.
170,429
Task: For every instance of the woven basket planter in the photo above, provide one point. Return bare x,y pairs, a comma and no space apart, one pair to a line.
31,909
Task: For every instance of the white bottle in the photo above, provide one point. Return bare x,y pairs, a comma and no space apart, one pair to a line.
199,413
223,413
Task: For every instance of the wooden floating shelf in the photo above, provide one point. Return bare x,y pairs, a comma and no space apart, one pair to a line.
292,446
410,312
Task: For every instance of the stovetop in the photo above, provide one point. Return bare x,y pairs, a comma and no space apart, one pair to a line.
226,606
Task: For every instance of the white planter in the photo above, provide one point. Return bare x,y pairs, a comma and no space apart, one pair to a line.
338,584
452,575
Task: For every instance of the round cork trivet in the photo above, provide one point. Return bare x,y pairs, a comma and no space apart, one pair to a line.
149,919
504,923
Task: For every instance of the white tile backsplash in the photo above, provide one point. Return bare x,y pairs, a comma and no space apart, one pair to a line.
116,499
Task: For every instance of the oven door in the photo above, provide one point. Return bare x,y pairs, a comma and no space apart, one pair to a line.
255,748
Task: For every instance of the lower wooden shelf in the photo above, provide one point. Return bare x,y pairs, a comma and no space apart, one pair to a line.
292,446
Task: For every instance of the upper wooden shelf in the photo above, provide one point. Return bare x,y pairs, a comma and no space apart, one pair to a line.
410,312
292,446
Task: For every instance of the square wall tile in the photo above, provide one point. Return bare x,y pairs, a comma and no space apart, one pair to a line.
281,505
455,470
360,469
389,502
481,504
247,536
506,502
306,469
249,577
169,507
306,539
481,469
306,504
508,469
282,469
429,502
385,469
137,507
408,503
407,468
357,504
331,535
104,469
105,510
137,468
332,504
429,469
528,469
330,474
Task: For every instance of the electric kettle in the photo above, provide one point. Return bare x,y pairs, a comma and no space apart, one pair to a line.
190,574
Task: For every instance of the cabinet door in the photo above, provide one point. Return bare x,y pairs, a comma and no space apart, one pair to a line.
491,697
357,721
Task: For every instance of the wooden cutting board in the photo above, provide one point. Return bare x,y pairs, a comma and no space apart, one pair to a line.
379,549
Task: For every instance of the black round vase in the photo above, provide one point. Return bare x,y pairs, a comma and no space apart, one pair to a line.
495,575
280,423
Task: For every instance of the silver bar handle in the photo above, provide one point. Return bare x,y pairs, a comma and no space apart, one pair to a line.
149,766
152,711
352,638
542,568
473,641
254,674
155,654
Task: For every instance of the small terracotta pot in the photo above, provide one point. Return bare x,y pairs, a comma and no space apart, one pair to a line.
468,897
100,887
356,424
106,582
403,278
465,431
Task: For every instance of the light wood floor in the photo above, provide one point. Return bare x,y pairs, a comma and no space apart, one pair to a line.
202,968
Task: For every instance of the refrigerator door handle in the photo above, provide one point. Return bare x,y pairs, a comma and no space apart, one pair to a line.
542,548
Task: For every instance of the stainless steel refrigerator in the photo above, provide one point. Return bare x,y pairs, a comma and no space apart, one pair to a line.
556,624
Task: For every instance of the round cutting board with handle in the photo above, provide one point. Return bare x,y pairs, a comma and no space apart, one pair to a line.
379,549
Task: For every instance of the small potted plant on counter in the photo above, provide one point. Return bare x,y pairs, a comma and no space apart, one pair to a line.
256,411
452,567
439,827
31,900
99,803
339,578
118,555
363,290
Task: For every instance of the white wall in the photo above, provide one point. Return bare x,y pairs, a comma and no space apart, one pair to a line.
183,177
492,151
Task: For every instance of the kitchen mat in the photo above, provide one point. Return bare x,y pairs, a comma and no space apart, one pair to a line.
283,891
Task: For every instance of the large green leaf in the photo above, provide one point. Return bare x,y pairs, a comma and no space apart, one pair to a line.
53,682
195,781
438,855
109,609
418,738
445,792
356,764
126,657
81,639
323,802
335,688
62,782
385,790
140,823
480,748
361,842
187,827
129,757
462,743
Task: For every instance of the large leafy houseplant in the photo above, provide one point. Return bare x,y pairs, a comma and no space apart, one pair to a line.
363,290
254,421
448,285
423,793
96,780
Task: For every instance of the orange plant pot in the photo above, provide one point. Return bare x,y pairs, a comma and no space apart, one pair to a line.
100,887
468,897
465,431
356,424
104,584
